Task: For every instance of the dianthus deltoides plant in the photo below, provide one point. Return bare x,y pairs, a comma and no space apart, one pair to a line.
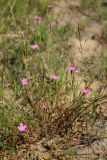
62,114
47,98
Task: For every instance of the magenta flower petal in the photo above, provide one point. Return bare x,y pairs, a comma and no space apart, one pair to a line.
35,46
22,127
24,81
37,18
71,68
54,77
85,90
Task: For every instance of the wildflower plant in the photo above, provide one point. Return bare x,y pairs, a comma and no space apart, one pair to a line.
41,91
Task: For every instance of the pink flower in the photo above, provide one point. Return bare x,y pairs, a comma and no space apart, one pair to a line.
54,77
45,106
37,18
22,127
24,81
35,46
71,68
85,90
